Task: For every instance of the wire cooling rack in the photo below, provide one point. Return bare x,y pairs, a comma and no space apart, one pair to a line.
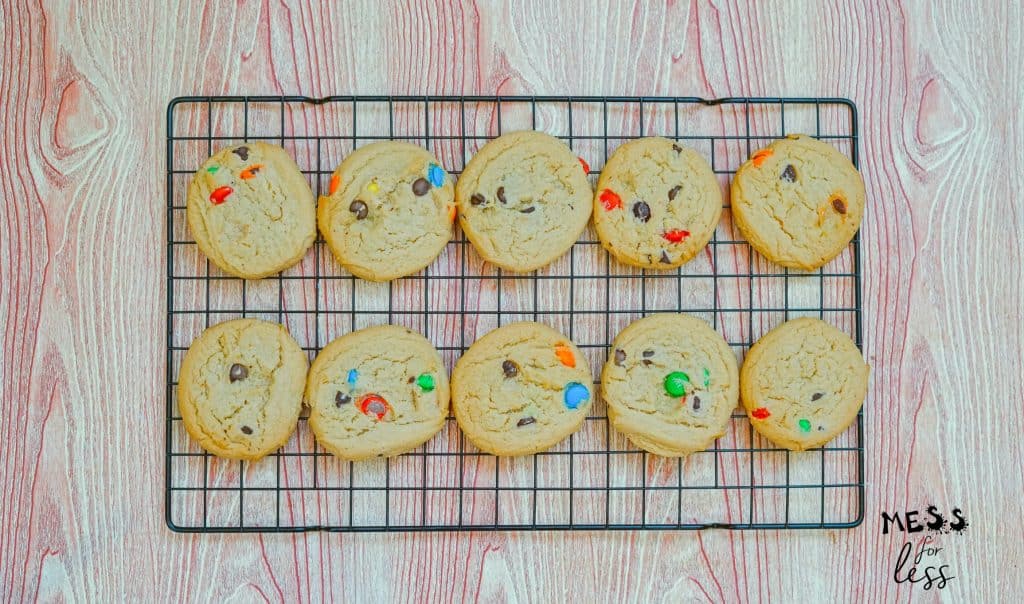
593,480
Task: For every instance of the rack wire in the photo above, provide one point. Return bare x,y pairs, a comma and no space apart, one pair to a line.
595,479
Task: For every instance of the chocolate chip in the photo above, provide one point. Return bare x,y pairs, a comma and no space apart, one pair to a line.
412,378
341,399
821,428
420,186
510,368
620,356
839,205
647,362
526,421
246,430
528,210
242,152
817,395
789,174
664,257
648,353
677,148
642,211
696,403
358,207
674,191
238,372
501,195
477,199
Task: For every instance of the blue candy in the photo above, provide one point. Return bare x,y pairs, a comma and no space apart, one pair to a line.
435,174
353,375
576,394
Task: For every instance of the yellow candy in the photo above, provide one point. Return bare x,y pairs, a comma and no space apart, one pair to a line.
372,187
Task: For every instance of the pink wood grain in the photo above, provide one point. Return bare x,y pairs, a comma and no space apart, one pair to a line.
83,89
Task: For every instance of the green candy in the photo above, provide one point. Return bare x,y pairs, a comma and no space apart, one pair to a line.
805,425
707,377
213,169
426,382
676,382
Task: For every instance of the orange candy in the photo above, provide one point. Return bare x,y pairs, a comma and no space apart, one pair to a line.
759,157
335,183
250,172
565,355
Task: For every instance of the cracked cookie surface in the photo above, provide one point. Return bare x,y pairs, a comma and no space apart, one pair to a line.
388,212
375,392
798,201
240,388
251,211
521,389
523,200
657,203
671,382
803,383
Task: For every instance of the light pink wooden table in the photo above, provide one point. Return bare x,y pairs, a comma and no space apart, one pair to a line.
83,91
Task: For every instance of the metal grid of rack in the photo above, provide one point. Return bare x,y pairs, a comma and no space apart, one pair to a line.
593,480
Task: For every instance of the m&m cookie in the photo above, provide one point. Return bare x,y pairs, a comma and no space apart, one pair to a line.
251,211
521,389
375,392
523,200
803,383
657,203
798,201
671,383
388,210
240,388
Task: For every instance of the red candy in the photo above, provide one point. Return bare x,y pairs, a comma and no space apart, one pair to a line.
374,404
586,166
610,200
760,413
220,194
676,235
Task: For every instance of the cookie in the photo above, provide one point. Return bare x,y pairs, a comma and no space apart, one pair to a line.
671,383
803,383
240,388
523,200
798,201
388,212
521,389
377,392
250,210
657,203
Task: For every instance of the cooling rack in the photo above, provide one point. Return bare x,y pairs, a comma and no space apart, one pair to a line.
593,480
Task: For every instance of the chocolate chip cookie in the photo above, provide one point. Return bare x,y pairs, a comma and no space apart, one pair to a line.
803,383
523,200
376,392
251,211
240,388
388,212
521,389
671,383
657,203
798,201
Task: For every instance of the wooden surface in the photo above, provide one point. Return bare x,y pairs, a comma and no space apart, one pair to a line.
83,90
